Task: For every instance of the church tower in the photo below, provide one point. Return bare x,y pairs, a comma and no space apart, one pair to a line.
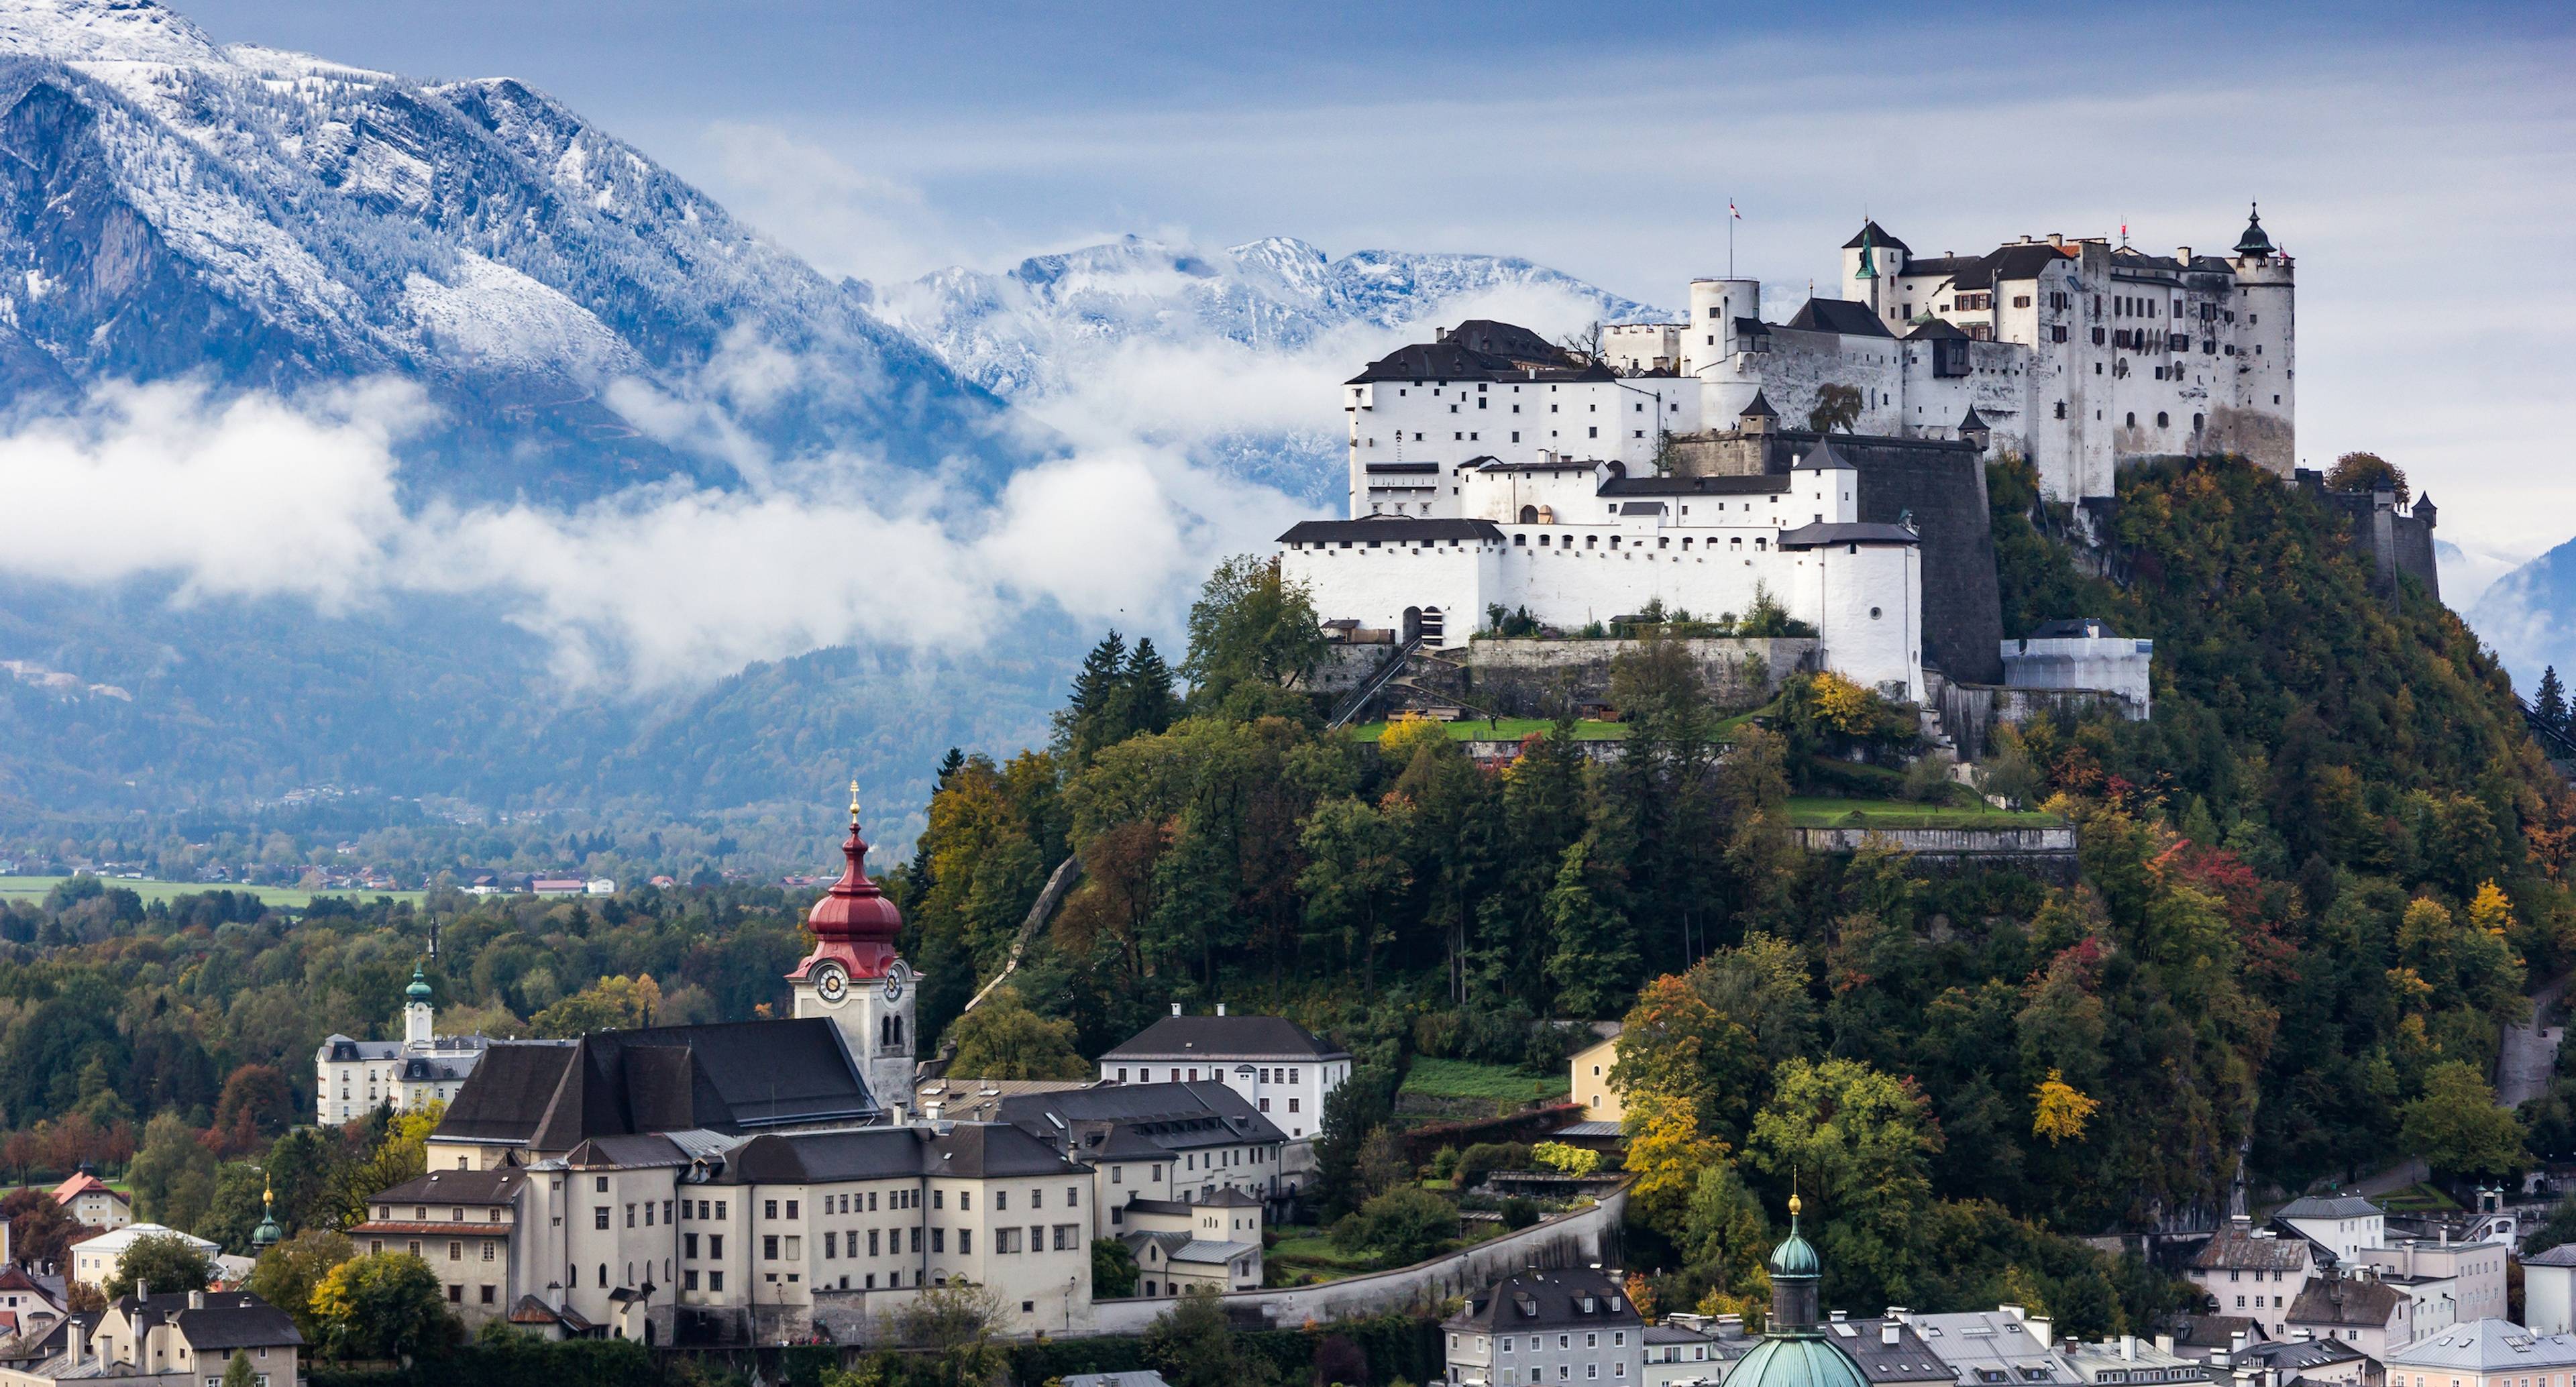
855,979
417,1017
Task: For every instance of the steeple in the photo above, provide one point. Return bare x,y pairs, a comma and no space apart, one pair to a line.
854,918
2254,242
418,1026
265,1236
1795,1271
1868,253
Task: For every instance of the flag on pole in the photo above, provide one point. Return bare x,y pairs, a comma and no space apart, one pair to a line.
1731,212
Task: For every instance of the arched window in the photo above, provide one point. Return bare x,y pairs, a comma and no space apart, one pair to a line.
1529,515
2133,421
603,1275
2161,420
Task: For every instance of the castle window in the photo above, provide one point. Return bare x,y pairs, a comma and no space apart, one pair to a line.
2061,409
2133,420
2162,421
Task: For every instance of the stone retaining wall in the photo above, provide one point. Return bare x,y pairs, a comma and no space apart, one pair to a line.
1525,677
1579,1237
2047,853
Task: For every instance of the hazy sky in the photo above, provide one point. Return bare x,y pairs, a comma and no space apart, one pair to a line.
2420,162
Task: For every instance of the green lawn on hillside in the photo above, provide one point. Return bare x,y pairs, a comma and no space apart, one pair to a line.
33,889
1817,811
1439,1078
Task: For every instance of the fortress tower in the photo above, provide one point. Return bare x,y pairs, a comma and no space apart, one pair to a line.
855,978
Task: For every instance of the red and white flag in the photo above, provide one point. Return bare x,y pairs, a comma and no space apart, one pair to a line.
1730,210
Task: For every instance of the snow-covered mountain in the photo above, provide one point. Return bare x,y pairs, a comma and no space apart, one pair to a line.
2529,616
1232,354
272,220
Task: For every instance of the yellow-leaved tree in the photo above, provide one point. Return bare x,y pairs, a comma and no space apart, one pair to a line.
1666,1150
2060,1110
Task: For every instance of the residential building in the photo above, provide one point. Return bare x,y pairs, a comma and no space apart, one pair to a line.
1214,1244
2003,1347
2128,1359
92,1203
352,1078
2549,1290
2484,1353
182,1339
458,1221
1889,1350
94,1260
2324,1361
1282,1069
2203,1338
1547,1327
1186,1142
2254,1272
2363,1310
2450,1282
2342,1224
26,1308
1590,1071
1678,1355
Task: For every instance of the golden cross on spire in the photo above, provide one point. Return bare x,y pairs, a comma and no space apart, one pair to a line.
854,804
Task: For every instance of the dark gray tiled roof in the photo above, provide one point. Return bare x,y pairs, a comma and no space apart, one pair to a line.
1142,1121
1839,315
729,1077
1548,1300
2234,1248
228,1320
2325,1205
1851,532
1267,1037
1392,529
967,1150
457,1187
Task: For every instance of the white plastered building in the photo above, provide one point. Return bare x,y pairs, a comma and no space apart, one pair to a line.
352,1078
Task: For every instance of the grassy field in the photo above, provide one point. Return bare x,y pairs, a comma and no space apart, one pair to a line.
1807,811
1439,1078
1311,1256
1505,729
2417,1199
33,889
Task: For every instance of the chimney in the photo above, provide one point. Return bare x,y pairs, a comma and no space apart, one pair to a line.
2164,1343
74,1343
2220,1359
142,1292
2057,238
1887,1332
2043,1329
1838,1316
1176,1008
1220,1008
2236,1341
2129,1347
196,1300
2183,254
2013,1310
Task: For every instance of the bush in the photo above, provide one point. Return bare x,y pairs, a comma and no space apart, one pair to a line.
1565,1159
1518,1213
1486,1157
1444,1163
1401,1226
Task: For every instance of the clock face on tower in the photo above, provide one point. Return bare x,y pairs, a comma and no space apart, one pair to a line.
895,979
831,983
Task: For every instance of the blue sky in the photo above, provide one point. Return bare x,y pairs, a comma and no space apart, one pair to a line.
2420,161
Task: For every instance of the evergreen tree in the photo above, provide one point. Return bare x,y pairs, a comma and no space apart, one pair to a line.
1151,706
1099,712
2551,701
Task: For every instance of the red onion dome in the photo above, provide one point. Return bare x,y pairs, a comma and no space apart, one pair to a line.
854,910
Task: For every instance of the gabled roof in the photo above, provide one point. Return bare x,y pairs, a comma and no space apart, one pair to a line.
227,1320
2487,1346
1935,330
2316,1205
1141,1121
1253,1037
1876,235
2343,1300
456,1187
1823,458
1909,1359
81,1184
2563,1255
1993,1340
1486,350
2235,1248
967,1150
2297,1355
1839,315
1548,1300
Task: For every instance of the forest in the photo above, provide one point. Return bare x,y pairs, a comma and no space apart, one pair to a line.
2312,889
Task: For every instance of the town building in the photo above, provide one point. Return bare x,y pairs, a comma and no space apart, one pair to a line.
2128,1359
352,1078
93,1203
1214,1244
1890,1350
2549,1290
1992,1348
1181,1142
2082,653
1679,1355
2342,1224
181,1339
1547,1327
2254,1272
2361,1309
26,1308
1282,1069
1590,1071
2484,1353
2323,1361
1797,1352
2450,1282
458,1221
94,1260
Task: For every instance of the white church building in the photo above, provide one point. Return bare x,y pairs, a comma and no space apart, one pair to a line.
352,1078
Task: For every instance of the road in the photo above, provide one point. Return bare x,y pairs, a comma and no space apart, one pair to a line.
2530,1052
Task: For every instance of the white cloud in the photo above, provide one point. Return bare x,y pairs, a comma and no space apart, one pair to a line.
653,587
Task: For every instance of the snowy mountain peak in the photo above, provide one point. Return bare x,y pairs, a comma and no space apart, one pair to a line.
102,31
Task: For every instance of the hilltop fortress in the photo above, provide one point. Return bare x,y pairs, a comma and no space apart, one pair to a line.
1832,464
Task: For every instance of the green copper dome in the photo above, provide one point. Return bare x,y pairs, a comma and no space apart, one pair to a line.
419,989
1804,1359
1795,1256
267,1233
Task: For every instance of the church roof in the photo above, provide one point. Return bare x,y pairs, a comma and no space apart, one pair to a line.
1803,1359
728,1077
